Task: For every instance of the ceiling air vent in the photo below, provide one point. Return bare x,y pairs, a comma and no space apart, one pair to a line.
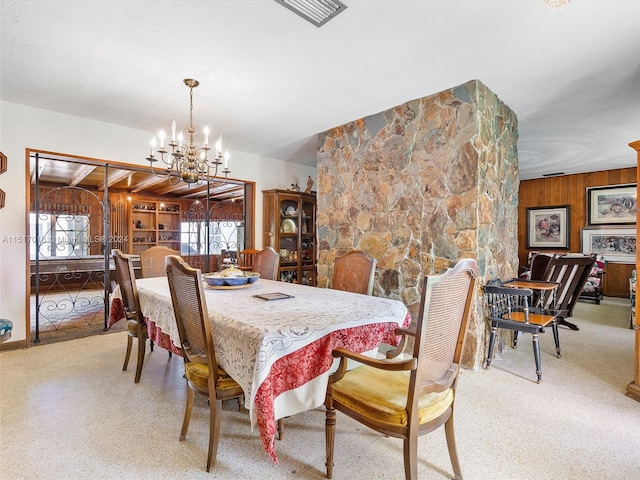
317,12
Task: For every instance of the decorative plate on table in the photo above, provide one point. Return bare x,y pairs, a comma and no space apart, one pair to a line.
288,226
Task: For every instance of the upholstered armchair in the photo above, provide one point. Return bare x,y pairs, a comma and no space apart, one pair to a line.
592,289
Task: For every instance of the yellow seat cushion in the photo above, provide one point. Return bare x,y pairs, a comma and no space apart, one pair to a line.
198,375
382,396
132,327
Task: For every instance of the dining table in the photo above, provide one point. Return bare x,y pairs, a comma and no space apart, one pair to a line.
280,350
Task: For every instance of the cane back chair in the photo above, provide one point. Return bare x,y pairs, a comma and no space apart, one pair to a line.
266,263
136,324
354,272
410,396
203,374
152,261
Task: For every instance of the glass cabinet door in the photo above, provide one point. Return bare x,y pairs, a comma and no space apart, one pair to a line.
308,242
289,247
289,226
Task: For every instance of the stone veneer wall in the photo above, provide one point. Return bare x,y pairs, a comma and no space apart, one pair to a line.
419,185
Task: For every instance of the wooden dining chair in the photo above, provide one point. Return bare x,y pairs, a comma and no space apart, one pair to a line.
510,308
204,375
136,324
152,261
266,263
409,397
354,272
246,258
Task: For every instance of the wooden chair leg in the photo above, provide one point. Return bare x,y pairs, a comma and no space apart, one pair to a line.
128,354
451,445
141,347
411,457
536,356
280,428
215,414
556,338
330,434
187,413
492,342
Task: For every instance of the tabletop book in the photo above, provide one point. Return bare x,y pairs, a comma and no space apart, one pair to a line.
273,296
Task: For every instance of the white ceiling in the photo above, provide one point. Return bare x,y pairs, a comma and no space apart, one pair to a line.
270,81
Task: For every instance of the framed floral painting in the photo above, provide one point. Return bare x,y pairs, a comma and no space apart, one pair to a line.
548,227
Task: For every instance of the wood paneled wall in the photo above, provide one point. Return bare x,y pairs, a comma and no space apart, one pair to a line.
571,190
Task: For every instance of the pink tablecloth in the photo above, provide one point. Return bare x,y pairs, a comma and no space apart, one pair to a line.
299,367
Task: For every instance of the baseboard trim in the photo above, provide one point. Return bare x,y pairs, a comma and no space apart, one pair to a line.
633,391
17,345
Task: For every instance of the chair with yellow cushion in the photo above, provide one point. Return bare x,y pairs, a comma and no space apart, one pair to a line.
136,323
406,396
203,374
354,272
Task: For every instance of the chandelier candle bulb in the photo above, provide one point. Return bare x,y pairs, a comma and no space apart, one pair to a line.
161,135
226,160
219,146
153,146
206,136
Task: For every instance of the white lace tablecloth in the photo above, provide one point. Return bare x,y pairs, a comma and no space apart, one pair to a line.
295,335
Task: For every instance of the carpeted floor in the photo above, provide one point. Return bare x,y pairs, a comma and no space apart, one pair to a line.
70,412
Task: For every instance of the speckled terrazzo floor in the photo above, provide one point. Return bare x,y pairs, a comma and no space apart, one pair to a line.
68,411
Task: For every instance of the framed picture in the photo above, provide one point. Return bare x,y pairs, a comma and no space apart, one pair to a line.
616,204
617,245
548,227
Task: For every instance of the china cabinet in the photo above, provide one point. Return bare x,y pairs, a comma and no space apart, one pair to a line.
289,220
153,223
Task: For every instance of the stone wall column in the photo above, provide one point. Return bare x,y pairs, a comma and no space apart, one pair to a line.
419,185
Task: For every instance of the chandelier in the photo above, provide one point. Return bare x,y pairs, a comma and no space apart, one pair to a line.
188,162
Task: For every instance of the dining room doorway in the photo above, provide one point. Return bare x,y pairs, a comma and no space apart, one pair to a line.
79,210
